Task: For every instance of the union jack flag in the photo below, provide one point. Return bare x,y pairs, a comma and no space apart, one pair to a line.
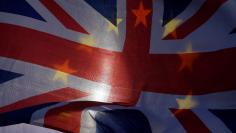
119,65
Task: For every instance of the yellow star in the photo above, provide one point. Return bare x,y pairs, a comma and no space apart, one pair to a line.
112,27
63,76
64,115
141,15
171,26
186,103
188,59
88,40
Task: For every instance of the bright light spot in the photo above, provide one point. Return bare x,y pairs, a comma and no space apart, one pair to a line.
101,95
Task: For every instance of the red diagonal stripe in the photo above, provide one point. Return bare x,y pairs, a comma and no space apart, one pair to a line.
64,17
59,95
190,122
202,15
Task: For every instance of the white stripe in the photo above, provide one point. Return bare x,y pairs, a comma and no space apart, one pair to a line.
219,100
38,80
192,8
211,36
156,107
96,24
26,128
214,124
89,18
45,13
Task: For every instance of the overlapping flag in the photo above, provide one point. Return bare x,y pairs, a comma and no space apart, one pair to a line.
122,66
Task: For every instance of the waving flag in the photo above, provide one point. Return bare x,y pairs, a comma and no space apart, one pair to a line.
118,65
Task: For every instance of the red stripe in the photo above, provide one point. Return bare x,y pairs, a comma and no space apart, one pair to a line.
202,15
130,67
67,118
64,17
190,122
159,73
60,95
125,72
211,72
